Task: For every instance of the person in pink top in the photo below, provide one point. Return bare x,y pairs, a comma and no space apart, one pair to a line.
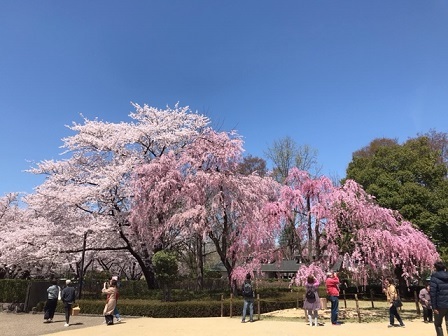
332,284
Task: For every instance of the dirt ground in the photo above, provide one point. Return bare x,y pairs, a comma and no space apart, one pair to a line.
280,323
225,326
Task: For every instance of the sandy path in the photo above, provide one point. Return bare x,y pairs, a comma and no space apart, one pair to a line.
285,323
225,326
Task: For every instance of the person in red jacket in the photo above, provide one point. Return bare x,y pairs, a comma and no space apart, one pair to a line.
332,284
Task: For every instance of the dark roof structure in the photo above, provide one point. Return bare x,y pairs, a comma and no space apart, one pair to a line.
282,266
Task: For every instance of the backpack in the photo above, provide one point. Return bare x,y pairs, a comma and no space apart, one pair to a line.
247,290
310,296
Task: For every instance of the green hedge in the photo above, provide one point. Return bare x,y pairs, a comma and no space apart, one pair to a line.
158,309
13,290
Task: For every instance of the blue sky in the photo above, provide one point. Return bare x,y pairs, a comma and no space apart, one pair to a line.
331,74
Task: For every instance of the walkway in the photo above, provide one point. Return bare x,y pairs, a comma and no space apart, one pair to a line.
32,325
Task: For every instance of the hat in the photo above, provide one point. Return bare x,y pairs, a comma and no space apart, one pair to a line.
329,273
68,282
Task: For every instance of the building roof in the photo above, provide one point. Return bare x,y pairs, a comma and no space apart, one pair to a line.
282,266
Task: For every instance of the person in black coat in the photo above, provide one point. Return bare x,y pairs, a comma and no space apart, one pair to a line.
439,296
68,297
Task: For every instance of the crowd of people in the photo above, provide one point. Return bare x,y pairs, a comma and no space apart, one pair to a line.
68,297
433,298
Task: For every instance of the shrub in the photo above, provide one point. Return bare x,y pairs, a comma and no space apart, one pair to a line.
13,290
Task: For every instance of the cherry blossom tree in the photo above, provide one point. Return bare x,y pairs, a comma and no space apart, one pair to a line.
300,198
10,218
89,191
130,189
374,240
199,192
345,223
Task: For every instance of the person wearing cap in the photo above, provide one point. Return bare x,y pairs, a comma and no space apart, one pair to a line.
68,297
332,284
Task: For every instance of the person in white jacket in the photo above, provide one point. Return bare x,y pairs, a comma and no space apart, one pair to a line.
52,301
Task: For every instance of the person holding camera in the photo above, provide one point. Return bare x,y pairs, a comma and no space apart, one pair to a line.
332,284
111,301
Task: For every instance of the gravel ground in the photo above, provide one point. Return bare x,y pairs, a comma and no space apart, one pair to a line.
32,325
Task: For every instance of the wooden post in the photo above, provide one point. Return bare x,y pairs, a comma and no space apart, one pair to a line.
258,306
345,298
357,308
417,306
371,297
222,305
231,305
297,304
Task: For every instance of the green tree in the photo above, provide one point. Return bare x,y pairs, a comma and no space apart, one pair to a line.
166,271
409,177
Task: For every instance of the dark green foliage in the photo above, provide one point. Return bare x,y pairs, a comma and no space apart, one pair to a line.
166,271
410,178
137,289
13,290
165,267
155,308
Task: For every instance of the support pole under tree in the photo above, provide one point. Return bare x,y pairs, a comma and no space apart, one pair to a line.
357,308
231,304
222,305
81,271
417,306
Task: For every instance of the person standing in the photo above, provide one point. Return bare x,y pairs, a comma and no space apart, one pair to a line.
52,301
248,296
116,312
312,300
439,296
392,295
111,301
68,297
332,284
425,301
